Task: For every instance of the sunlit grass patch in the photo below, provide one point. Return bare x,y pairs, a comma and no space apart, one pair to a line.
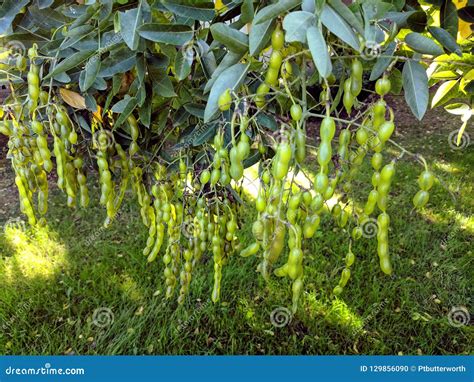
34,253
336,312
449,168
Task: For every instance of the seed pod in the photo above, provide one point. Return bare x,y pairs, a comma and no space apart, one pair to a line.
426,180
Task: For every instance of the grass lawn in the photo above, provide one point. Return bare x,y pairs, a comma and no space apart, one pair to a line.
65,293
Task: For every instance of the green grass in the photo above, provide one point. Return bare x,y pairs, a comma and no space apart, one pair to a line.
52,281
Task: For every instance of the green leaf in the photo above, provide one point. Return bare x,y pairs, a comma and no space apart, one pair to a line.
383,61
467,87
80,30
417,21
91,70
144,112
85,17
259,36
203,133
233,39
202,10
75,35
319,51
71,62
422,44
162,84
131,104
174,34
183,62
373,10
308,6
100,84
247,11
8,11
140,69
199,135
42,4
120,62
274,10
267,121
62,77
399,4
130,21
119,106
347,15
396,80
444,75
84,125
254,157
448,18
338,26
206,58
466,14
457,108
91,103
444,93
296,24
229,59
231,78
399,18
445,39
46,18
195,109
415,85
71,41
